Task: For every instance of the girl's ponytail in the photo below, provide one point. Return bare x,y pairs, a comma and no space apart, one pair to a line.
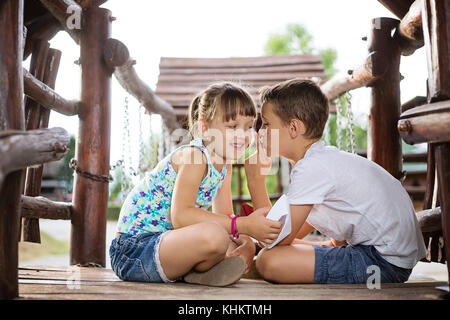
193,113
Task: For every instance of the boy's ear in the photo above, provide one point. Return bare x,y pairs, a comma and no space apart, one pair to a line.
202,127
296,128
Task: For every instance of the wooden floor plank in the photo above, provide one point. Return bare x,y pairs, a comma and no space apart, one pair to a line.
42,282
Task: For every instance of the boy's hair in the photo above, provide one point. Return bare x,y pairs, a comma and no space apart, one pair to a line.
300,99
224,99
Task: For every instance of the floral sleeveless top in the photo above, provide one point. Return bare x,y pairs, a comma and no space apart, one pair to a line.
147,206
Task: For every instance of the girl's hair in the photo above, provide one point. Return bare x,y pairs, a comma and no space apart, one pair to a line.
224,99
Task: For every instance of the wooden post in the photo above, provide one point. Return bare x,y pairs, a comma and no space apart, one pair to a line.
442,155
32,113
11,117
436,22
90,199
34,174
384,145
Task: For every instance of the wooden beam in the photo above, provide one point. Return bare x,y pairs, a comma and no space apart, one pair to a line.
85,4
414,102
436,22
360,77
397,7
115,53
442,155
21,149
33,175
43,29
430,220
409,34
43,208
427,123
11,118
90,201
65,11
130,81
47,97
384,144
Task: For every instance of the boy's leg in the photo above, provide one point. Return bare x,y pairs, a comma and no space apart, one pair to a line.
287,264
199,246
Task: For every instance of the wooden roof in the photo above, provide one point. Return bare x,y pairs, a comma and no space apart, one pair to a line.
180,79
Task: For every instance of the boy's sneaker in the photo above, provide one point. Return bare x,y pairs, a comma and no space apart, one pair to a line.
224,273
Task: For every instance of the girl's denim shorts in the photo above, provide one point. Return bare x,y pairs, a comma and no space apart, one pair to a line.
354,264
136,257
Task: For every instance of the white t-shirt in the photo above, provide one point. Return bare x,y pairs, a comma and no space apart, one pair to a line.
356,200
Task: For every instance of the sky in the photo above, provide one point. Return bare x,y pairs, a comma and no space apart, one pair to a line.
232,28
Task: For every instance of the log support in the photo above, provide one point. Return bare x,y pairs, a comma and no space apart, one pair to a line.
69,15
442,156
436,22
384,145
47,97
11,118
90,198
42,208
33,175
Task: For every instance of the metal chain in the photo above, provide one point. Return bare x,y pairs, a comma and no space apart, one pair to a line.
141,145
351,138
73,164
326,136
339,124
161,143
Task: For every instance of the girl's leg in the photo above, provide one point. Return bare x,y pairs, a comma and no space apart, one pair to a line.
199,246
287,264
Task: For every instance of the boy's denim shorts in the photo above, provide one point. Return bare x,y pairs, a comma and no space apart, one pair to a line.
354,264
136,257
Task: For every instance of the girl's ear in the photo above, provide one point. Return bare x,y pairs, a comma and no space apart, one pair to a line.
296,128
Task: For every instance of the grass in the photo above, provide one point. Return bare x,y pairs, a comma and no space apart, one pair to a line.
48,246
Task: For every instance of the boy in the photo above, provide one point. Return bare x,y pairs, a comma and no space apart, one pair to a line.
363,209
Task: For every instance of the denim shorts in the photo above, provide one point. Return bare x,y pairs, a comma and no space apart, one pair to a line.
354,264
136,257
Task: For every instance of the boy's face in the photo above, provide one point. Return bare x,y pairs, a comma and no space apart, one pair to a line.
274,133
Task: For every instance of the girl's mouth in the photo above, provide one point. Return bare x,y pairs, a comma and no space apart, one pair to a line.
238,146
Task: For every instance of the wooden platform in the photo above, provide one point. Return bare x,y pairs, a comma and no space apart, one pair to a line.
44,282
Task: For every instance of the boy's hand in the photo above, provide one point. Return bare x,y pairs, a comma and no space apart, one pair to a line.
245,249
258,164
257,226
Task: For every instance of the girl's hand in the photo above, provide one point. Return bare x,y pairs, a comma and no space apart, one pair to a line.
257,226
258,164
245,249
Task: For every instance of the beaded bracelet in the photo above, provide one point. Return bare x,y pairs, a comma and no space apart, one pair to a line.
234,230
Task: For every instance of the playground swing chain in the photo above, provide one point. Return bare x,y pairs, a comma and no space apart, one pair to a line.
342,115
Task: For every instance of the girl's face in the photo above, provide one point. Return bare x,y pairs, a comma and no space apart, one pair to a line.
229,139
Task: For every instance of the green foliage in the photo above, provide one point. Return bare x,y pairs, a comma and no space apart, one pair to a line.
297,40
65,174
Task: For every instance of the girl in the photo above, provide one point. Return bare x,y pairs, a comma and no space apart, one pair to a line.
165,231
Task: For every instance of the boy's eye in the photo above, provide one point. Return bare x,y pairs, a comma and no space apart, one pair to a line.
232,126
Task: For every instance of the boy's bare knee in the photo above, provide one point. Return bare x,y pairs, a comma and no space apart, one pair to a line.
266,265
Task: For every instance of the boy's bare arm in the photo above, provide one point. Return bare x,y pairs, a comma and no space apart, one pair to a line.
299,213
